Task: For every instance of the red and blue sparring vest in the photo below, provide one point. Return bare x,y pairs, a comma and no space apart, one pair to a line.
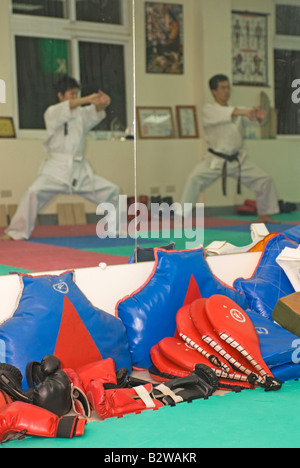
53,316
178,278
279,348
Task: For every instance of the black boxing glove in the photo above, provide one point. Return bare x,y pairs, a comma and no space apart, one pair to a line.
49,386
36,372
181,389
11,383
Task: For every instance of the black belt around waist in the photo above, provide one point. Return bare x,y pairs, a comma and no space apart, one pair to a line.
228,158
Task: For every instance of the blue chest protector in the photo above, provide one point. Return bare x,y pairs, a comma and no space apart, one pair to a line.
279,348
149,314
269,282
53,316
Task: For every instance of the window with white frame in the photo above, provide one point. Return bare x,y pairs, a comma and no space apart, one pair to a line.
287,64
90,40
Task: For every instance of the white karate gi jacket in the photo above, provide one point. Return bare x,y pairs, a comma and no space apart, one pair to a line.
67,129
224,134
65,170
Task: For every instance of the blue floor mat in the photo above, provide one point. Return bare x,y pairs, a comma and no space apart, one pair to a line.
92,242
272,227
293,233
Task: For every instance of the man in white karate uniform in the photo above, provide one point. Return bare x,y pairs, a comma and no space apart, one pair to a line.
65,170
223,125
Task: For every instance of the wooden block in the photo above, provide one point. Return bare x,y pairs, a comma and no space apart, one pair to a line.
69,214
3,216
65,214
79,213
287,313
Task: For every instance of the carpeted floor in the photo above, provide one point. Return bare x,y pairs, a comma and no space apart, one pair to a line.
250,419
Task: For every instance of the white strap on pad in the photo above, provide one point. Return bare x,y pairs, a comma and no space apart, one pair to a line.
144,395
166,391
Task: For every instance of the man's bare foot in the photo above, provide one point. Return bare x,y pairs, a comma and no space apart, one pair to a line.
5,237
267,219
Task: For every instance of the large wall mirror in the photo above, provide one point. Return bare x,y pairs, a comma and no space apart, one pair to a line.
180,45
168,94
155,59
89,40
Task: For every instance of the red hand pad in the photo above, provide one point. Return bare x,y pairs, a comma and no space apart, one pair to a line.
164,365
190,335
233,325
180,354
184,357
202,323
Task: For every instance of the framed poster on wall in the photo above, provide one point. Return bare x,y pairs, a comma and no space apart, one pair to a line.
187,121
155,122
164,38
250,48
7,127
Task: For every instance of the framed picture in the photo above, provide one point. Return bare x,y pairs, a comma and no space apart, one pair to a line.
164,38
7,128
250,48
155,122
187,121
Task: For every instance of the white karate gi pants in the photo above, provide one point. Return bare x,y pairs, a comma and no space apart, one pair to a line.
44,188
252,177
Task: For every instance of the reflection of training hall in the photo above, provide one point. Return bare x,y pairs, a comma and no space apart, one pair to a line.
150,289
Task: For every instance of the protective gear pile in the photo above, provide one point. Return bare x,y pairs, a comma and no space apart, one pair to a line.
59,401
218,333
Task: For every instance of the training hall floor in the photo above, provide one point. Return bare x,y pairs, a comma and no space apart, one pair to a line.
68,247
249,419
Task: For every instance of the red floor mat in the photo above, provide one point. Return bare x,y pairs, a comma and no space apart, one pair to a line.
41,257
90,229
62,231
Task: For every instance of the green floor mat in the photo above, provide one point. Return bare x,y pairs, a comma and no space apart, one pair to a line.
240,239
120,251
7,270
250,419
282,217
